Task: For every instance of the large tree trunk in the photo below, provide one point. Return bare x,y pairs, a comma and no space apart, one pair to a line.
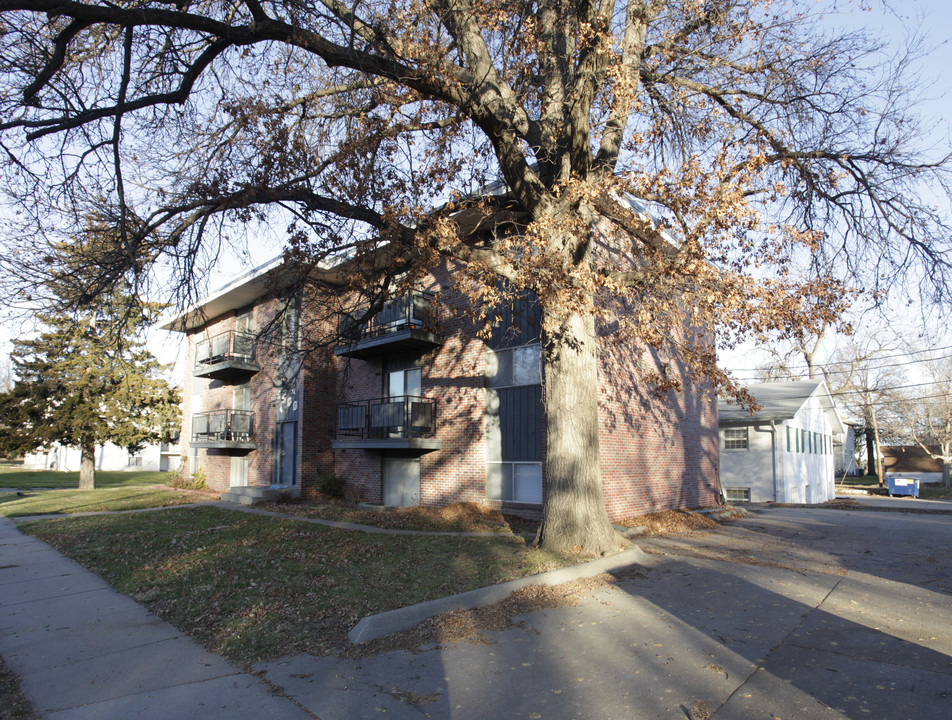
573,514
87,466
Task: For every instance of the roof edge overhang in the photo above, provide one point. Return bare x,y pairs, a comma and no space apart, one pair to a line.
235,294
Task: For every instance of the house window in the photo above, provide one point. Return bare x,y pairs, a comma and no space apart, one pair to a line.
788,438
515,366
514,424
735,438
514,481
135,460
737,494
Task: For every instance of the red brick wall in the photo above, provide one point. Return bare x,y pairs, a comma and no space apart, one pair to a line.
452,375
656,453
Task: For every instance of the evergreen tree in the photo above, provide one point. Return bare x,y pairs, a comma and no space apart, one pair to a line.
87,381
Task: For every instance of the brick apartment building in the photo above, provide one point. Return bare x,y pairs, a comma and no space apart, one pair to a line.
414,407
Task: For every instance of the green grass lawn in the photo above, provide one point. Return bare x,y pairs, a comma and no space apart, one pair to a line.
935,492
61,502
865,480
252,587
16,477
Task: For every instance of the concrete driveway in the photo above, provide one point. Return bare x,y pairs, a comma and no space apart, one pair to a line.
791,613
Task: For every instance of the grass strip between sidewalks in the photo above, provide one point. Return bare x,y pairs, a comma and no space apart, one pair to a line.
252,588
14,476
62,502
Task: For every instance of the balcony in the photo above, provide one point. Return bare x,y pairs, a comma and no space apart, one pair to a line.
404,324
226,355
404,423
224,430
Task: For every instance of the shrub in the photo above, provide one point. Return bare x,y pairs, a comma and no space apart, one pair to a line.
330,484
181,481
199,479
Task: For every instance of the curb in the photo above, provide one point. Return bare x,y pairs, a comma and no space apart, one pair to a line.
377,626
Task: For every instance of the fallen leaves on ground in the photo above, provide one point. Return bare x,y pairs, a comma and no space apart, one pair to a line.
471,625
457,517
670,521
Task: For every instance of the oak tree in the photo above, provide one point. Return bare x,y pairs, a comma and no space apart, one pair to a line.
649,169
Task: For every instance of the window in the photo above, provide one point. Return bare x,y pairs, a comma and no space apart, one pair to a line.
788,438
135,460
735,438
514,424
737,494
242,397
515,366
514,481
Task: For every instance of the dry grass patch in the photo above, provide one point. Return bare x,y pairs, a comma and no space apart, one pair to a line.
458,517
843,504
671,521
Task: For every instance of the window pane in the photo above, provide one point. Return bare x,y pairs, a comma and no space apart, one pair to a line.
735,438
498,368
527,365
414,381
527,487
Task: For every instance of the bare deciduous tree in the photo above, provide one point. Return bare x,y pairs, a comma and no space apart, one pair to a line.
926,416
758,139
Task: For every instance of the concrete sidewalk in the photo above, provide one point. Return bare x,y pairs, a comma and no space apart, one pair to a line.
83,650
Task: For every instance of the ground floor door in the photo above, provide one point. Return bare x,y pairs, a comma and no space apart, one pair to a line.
401,481
285,456
239,471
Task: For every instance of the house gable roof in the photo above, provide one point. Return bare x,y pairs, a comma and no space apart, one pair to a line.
781,401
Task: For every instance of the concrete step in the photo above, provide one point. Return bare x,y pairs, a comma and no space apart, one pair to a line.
254,494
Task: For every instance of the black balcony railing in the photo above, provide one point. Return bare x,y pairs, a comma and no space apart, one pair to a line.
406,416
223,426
417,310
228,346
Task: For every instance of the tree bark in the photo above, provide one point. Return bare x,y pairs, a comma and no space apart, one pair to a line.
870,451
573,516
877,458
87,466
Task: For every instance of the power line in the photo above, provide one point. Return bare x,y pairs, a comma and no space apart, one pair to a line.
833,363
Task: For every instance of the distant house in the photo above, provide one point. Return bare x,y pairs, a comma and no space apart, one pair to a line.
783,452
162,457
844,452
911,461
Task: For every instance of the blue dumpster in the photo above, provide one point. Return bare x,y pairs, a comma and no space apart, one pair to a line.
903,486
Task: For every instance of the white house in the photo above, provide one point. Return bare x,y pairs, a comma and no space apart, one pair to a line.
163,457
783,452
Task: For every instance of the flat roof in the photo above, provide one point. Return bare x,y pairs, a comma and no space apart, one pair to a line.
237,293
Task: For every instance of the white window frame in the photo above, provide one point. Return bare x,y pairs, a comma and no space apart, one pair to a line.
736,442
737,494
